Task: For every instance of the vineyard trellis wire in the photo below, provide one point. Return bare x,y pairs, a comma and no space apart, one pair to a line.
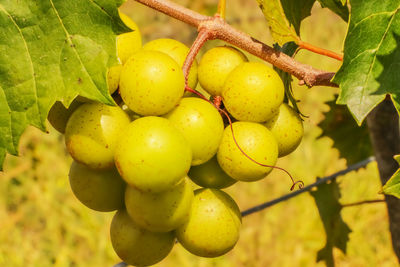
308,188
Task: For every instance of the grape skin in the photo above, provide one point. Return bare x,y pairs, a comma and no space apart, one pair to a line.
253,92
151,83
215,66
137,246
92,132
202,126
98,190
214,225
152,155
257,142
59,115
160,212
210,175
287,128
178,52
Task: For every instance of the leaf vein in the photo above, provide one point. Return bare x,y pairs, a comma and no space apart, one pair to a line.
100,7
15,141
70,41
370,16
375,53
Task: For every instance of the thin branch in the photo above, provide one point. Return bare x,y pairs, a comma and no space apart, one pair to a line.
201,39
307,188
319,50
221,11
176,11
362,202
219,29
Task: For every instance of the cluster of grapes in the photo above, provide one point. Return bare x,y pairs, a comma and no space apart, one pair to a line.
139,157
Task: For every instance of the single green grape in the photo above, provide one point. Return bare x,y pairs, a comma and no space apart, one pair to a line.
128,43
160,212
253,92
113,75
178,52
210,175
137,246
287,128
257,142
202,126
214,225
152,155
101,190
92,133
58,115
215,66
152,83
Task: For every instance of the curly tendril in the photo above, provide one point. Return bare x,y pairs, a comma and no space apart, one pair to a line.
216,103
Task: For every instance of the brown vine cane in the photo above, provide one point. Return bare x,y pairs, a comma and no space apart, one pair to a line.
218,28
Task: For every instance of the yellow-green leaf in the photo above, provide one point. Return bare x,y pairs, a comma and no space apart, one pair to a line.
284,18
392,187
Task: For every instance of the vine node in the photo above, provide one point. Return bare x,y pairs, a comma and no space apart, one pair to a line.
217,28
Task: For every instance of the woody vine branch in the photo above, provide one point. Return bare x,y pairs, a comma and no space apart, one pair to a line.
217,28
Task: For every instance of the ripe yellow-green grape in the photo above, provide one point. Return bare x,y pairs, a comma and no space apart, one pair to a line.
202,126
215,66
214,224
58,115
101,190
151,83
152,155
210,175
137,246
92,133
113,76
253,92
257,142
130,42
287,128
160,212
178,52
128,21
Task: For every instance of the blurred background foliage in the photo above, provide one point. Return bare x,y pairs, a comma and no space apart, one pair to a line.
42,224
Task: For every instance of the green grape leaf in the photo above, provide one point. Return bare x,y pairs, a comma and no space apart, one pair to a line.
370,68
337,231
284,18
392,187
52,50
337,6
353,142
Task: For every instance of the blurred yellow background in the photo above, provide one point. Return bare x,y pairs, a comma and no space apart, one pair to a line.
43,224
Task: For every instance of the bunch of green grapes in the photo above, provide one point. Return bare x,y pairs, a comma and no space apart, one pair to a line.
161,159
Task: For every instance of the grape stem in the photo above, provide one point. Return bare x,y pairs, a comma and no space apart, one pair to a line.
221,11
201,39
318,50
217,28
